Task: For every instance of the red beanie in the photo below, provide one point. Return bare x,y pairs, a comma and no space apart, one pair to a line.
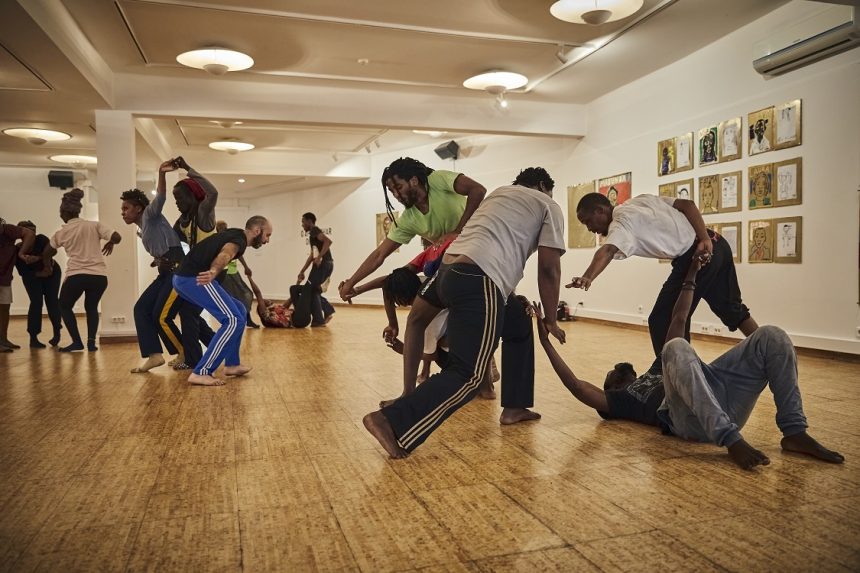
195,188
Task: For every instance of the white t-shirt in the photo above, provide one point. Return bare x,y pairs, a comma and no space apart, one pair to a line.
435,331
649,226
82,241
508,226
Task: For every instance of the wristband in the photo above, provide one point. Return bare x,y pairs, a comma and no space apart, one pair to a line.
689,284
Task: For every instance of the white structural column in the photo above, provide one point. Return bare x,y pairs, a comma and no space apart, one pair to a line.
116,173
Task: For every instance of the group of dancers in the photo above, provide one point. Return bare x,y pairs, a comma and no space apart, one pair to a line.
477,245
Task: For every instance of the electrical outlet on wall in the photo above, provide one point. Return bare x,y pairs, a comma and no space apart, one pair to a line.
718,329
705,328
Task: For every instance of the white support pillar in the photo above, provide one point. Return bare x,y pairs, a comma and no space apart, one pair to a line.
117,173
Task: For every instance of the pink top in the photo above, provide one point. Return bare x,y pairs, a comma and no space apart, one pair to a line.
82,241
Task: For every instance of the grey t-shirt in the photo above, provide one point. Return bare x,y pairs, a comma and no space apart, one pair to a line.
155,231
508,226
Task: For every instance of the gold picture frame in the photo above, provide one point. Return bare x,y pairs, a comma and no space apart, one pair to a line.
760,184
730,139
709,194
666,190
708,145
731,233
731,191
787,125
788,180
685,189
760,131
760,245
665,157
578,236
684,152
788,240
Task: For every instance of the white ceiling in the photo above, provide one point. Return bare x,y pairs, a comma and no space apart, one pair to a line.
308,99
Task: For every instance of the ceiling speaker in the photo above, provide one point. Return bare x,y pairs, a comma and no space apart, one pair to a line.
448,150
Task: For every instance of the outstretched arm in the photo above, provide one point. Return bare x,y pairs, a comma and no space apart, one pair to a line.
588,394
600,261
549,277
261,302
678,324
115,239
373,261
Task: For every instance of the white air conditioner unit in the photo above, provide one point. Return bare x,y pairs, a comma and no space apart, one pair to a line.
825,33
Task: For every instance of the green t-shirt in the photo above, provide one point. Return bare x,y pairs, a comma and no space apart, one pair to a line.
232,267
445,211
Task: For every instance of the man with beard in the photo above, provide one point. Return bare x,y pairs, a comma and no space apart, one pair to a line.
195,281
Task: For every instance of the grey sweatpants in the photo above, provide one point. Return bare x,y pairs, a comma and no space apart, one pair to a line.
711,402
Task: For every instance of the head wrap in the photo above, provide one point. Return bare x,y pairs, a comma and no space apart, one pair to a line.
195,188
71,202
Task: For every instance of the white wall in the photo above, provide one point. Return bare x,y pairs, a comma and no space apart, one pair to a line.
816,301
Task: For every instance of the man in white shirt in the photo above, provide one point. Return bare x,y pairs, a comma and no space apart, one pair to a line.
478,273
666,228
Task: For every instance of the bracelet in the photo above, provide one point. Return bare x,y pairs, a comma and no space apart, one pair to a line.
689,284
689,288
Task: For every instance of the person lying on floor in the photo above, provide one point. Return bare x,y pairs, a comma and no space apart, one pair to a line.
704,402
272,314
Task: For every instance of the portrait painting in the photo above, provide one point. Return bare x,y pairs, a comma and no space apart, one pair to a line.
617,188
788,236
708,145
787,124
760,131
578,236
383,225
730,139
709,194
760,241
760,186
666,157
730,191
684,152
731,232
684,189
667,190
788,178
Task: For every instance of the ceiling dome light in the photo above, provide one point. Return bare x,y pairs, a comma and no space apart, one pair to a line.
216,61
594,12
231,147
496,82
37,136
78,161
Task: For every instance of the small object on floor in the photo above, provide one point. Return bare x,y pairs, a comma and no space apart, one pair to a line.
91,345
35,343
73,347
181,366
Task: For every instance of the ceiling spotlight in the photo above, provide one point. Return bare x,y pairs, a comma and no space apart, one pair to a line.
78,161
334,157
226,124
37,136
231,146
367,148
376,142
594,12
241,180
216,61
153,192
430,133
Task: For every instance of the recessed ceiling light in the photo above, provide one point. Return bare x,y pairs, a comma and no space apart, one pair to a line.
241,180
496,82
231,147
216,61
362,61
37,136
430,133
594,12
153,191
75,160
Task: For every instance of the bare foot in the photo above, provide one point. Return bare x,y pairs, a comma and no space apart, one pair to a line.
154,361
488,393
803,443
378,426
207,380
239,370
747,456
514,415
495,371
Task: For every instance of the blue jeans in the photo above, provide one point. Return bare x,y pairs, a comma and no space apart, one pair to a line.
712,402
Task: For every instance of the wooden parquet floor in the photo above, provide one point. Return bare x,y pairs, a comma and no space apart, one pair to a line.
104,470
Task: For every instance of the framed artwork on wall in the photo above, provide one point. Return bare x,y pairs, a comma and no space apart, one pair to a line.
667,190
666,157
760,130
788,124
708,145
731,232
730,191
760,186
578,236
617,188
788,236
684,152
709,194
684,189
730,139
761,241
788,176
383,225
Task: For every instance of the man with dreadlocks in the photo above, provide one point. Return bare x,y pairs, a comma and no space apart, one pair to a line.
195,198
157,306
